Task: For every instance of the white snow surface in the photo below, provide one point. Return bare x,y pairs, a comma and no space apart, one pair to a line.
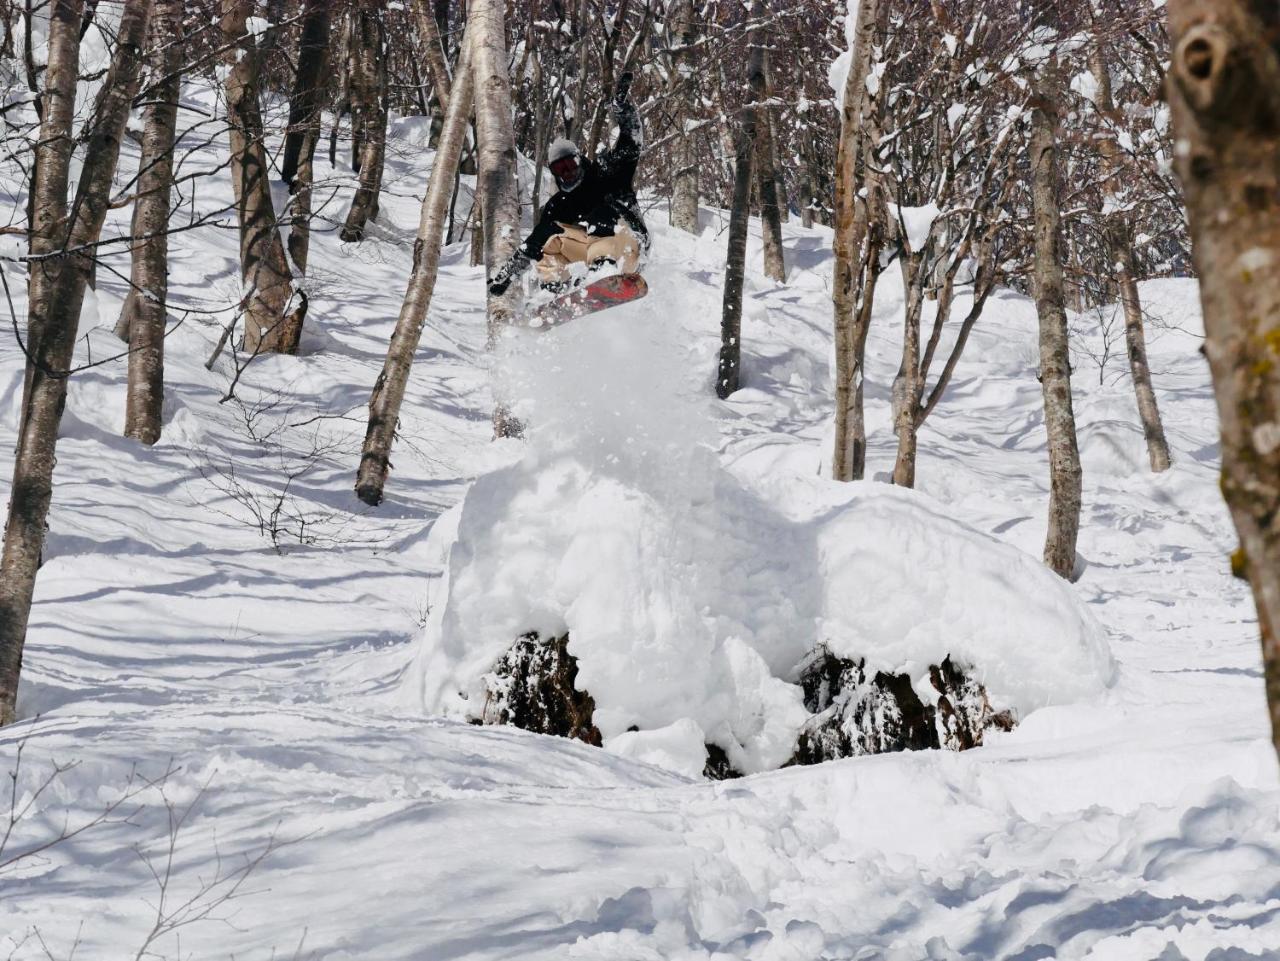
1134,820
692,592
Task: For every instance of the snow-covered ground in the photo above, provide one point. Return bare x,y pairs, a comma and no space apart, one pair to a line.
1141,820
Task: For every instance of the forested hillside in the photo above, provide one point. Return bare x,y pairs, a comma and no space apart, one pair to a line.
876,575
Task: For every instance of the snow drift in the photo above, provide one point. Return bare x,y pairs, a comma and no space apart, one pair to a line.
691,594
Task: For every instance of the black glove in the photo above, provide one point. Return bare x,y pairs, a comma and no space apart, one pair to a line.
622,93
500,281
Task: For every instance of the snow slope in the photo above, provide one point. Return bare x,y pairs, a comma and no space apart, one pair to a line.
167,631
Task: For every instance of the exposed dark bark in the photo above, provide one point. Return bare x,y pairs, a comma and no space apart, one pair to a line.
1224,90
309,85
32,488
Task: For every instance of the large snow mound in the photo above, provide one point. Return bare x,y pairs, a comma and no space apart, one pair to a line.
690,592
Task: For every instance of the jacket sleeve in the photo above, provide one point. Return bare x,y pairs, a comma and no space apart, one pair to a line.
619,164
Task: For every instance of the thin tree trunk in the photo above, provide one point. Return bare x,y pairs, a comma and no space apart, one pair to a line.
32,487
856,261
305,115
775,266
1065,476
1224,91
388,392
728,375
729,371
263,268
433,51
369,90
1119,239
144,313
907,382
308,89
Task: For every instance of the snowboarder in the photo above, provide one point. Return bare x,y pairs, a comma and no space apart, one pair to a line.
594,218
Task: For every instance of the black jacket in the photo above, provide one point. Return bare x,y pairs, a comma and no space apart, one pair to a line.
602,197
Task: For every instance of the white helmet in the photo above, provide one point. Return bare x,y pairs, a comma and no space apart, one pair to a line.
565,160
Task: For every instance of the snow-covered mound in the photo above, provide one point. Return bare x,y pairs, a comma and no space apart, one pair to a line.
692,593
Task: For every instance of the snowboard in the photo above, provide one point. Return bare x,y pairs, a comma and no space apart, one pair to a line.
600,295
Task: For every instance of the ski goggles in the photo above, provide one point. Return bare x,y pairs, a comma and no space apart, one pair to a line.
564,168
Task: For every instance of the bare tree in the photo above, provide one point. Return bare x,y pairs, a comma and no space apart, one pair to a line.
142,320
388,392
50,354
1119,240
745,134
51,169
1065,475
1224,91
766,166
496,183
681,34
263,265
857,246
433,49
368,115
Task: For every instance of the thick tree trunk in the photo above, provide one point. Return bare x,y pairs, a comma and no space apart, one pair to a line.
857,257
1065,476
369,114
1224,91
309,85
48,194
263,268
1119,239
388,392
684,154
32,487
144,314
499,198
496,182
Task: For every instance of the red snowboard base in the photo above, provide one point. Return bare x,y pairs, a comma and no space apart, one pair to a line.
604,293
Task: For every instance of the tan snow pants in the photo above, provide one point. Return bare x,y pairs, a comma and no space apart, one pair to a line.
576,246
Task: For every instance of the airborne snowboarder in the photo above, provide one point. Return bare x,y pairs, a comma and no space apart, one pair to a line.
594,218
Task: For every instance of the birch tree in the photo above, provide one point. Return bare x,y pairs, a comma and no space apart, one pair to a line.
1065,475
50,352
388,392
142,320
745,134
368,115
857,246
1119,241
499,198
1224,90
264,269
